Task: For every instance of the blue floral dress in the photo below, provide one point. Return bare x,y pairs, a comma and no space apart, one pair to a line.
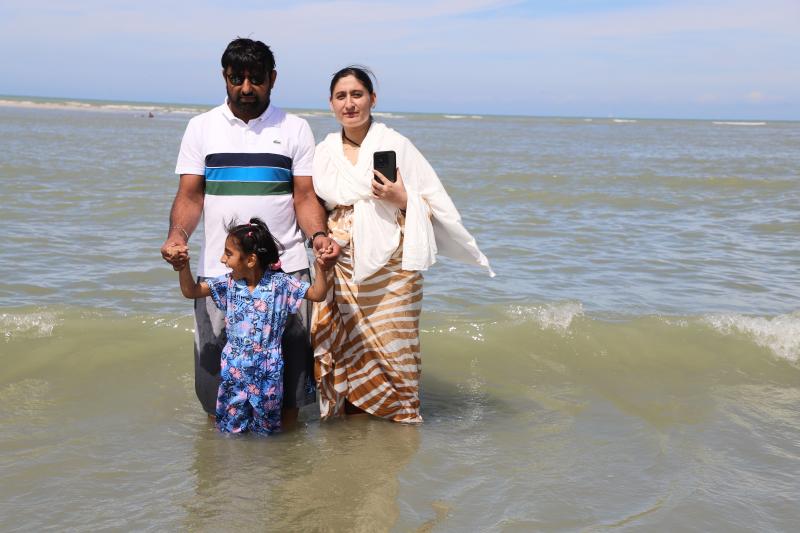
251,392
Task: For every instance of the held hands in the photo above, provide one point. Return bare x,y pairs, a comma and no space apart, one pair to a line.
175,254
394,193
326,251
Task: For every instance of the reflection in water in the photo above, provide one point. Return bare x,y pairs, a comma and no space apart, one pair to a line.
338,476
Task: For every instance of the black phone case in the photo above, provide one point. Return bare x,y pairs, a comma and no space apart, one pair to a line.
386,163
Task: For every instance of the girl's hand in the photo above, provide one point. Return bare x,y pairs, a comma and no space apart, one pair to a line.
323,258
177,255
394,193
326,249
319,289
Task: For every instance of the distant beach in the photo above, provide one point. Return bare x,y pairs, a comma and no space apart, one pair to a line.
192,109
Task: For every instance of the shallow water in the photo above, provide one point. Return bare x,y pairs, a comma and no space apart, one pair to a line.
634,365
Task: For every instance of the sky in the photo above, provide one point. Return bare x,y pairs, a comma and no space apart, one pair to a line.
594,58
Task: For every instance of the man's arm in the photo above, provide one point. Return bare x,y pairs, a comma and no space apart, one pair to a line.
312,218
184,216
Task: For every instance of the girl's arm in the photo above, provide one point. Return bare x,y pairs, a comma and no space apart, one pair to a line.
189,287
319,289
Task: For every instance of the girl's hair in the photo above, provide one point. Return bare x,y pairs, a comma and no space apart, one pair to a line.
255,238
361,73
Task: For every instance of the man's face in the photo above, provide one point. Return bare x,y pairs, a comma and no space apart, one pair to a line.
248,91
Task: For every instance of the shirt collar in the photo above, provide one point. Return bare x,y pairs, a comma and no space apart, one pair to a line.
241,284
227,113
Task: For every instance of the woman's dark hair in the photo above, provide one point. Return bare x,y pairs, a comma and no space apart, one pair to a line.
247,54
361,73
255,238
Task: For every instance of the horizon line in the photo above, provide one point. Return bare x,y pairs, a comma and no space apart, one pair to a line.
146,103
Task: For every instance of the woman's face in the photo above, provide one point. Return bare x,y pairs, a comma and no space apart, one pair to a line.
351,102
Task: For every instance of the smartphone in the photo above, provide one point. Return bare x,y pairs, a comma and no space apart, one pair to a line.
385,163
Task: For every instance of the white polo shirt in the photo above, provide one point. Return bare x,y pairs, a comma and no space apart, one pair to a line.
249,169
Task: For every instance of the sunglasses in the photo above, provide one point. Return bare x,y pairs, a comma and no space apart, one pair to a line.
238,79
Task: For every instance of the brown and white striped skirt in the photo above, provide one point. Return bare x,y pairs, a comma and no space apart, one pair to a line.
366,336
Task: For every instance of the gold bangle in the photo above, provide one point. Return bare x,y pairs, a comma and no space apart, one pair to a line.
182,231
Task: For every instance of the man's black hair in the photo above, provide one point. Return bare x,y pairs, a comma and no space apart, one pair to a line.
246,54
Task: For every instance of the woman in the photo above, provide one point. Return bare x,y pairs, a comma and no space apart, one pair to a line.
366,333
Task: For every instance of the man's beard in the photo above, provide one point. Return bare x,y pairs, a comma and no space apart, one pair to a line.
252,104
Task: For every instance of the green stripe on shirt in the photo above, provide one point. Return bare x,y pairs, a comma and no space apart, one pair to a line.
244,188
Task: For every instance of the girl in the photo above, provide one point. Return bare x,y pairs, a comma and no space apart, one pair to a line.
257,297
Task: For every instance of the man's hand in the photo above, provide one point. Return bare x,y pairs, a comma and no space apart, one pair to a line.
175,253
311,216
326,250
183,218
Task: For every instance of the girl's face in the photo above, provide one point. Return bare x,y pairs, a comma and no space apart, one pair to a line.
238,262
351,102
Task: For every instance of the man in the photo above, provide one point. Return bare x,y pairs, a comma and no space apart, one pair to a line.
242,159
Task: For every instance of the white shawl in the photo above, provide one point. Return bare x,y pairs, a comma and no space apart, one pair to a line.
432,221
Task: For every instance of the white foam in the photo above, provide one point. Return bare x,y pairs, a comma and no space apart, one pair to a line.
171,322
781,334
722,123
455,116
557,317
624,120
312,113
28,325
675,322
388,115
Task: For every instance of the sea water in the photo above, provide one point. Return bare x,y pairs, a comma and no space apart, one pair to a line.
634,364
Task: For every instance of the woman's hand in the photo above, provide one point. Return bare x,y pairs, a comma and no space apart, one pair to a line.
326,250
394,193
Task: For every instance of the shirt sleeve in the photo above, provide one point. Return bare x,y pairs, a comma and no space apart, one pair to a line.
296,291
303,158
190,157
219,290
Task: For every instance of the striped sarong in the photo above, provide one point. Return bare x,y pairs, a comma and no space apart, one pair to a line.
366,336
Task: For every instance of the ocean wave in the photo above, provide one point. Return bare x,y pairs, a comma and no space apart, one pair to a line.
715,339
530,344
738,123
556,317
780,334
313,113
28,325
624,120
386,114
